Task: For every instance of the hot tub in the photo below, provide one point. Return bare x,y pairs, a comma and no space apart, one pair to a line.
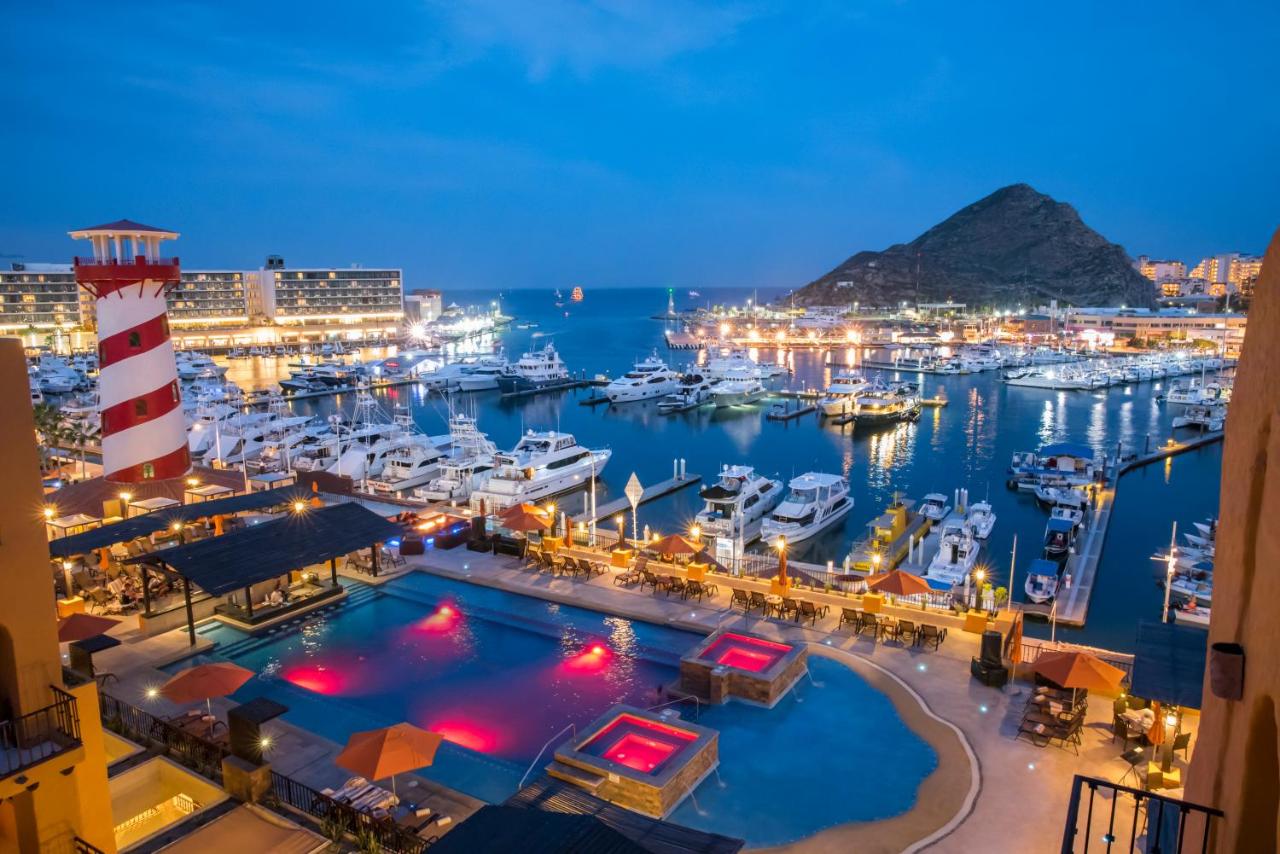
735,664
636,759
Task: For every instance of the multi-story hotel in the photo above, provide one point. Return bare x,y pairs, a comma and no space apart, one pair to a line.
219,308
1161,271
1226,331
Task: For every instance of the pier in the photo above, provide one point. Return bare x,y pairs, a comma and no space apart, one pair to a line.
622,505
790,414
1172,449
567,385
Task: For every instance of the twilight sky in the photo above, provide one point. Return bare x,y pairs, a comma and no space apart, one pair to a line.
506,144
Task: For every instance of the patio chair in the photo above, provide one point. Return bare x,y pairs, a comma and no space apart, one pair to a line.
1182,741
932,635
391,557
651,580
676,584
1137,759
1120,729
100,599
695,589
788,608
906,630
626,579
808,611
849,617
740,599
869,622
532,557
758,601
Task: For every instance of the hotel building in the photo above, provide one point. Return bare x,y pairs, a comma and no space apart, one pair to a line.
1172,325
40,297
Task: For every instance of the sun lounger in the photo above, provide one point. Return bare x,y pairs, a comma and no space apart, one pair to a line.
932,635
740,599
626,579
811,612
757,601
849,617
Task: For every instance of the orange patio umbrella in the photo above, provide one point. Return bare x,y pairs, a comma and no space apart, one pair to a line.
675,544
898,583
525,517
1076,669
380,753
204,682
78,627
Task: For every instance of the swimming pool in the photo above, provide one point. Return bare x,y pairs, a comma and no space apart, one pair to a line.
498,674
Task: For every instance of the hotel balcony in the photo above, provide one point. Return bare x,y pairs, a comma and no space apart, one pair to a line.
37,737
1106,816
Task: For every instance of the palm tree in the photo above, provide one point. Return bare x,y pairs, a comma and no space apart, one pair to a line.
75,435
49,429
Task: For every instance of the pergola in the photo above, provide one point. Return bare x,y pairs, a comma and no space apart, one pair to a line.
238,560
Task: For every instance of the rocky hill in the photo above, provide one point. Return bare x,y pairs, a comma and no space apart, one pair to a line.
1016,246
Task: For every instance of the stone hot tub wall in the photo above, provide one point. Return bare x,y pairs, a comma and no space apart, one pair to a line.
717,683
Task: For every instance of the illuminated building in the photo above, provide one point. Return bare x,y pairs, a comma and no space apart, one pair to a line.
39,296
53,786
1226,331
1161,271
329,296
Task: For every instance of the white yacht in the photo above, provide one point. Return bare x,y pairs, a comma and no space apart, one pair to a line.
485,374
1074,515
739,361
981,519
934,506
536,369
1201,416
957,554
541,464
737,503
693,391
737,388
408,466
816,501
884,405
468,466
649,378
841,395
193,365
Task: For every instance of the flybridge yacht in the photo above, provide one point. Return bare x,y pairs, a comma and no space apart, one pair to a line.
485,374
738,361
737,503
536,369
649,378
693,390
1067,463
468,466
981,519
842,394
885,405
957,554
738,388
816,501
195,366
934,506
541,464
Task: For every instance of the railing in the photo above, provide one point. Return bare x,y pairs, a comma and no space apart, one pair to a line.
82,847
529,771
339,820
1154,823
198,754
1033,648
36,736
681,698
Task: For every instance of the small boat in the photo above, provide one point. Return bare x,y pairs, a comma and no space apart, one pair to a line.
957,555
576,296
1059,536
1074,515
1191,615
1042,581
817,500
981,519
1059,496
934,506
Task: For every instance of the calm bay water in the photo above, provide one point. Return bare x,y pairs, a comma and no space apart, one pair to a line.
965,444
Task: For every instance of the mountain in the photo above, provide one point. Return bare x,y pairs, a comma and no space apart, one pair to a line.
1016,246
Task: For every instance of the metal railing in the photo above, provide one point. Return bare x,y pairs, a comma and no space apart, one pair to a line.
340,820
83,847
1033,648
196,753
1110,817
32,738
571,727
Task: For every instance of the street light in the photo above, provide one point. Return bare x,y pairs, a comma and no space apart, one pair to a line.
696,533
978,575
621,522
299,506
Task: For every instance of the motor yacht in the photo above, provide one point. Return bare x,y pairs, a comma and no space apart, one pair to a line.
816,501
840,397
1059,537
468,466
693,391
1201,417
648,379
934,506
981,519
536,369
956,556
738,388
737,503
739,361
485,374
542,464
884,405
407,467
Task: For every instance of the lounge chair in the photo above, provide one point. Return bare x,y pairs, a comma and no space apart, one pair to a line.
787,609
651,580
758,601
872,622
811,612
906,629
626,579
740,599
676,584
932,635
850,617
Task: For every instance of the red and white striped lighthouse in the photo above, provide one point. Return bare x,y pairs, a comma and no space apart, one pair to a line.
144,433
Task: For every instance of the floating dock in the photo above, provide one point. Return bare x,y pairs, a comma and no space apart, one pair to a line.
790,414
622,505
568,385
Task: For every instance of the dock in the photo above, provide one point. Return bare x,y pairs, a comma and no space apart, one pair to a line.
622,505
933,401
1172,449
594,400
567,385
790,414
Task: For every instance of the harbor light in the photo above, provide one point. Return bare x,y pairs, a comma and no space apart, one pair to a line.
299,506
781,543
193,481
176,526
126,497
48,513
696,532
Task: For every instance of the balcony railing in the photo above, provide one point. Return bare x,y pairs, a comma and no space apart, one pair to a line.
40,735
1108,817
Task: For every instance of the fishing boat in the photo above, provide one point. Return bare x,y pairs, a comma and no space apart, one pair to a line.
576,295
737,503
934,506
1191,614
1059,536
957,554
1049,497
1202,417
816,501
981,519
1042,581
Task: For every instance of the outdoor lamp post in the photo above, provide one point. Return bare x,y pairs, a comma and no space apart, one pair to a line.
978,575
621,522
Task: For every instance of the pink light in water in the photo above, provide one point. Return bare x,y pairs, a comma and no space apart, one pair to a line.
316,678
591,660
444,619
468,734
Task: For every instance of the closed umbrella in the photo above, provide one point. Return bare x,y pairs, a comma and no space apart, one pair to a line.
380,753
78,627
898,583
204,682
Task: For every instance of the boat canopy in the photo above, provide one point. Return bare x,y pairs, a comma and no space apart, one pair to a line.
1060,525
1067,449
1042,566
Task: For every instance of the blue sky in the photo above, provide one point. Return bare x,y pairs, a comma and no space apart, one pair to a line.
510,144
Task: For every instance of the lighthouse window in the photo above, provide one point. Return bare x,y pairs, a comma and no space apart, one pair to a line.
148,471
135,339
140,408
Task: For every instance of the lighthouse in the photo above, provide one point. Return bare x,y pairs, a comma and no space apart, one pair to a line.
144,434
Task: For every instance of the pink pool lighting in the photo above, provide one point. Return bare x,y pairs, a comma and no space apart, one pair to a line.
443,619
745,653
593,659
642,745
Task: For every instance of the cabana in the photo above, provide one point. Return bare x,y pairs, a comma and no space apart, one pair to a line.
236,561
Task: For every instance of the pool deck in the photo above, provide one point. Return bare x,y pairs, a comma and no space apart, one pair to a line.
987,783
